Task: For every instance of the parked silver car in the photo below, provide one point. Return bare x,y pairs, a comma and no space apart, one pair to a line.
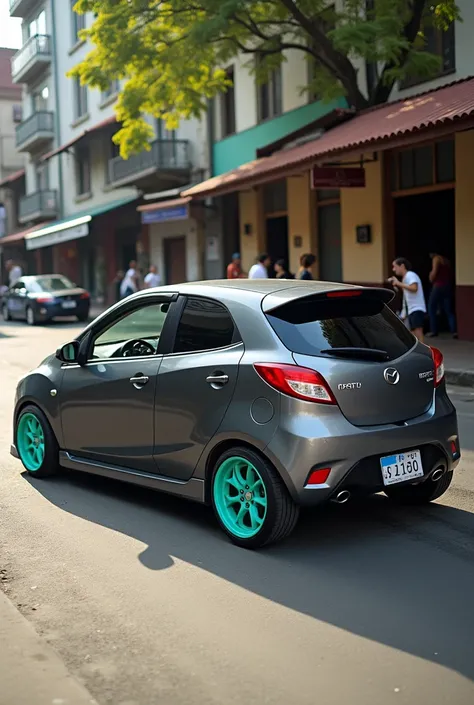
255,396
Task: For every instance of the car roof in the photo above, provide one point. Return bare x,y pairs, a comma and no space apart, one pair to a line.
263,287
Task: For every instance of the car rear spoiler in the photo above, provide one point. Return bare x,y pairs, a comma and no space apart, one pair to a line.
271,302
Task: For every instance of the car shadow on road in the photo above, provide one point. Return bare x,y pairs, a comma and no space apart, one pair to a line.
403,577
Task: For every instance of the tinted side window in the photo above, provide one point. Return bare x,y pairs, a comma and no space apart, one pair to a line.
309,327
204,325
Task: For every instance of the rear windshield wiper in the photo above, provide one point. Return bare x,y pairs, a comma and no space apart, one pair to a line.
359,353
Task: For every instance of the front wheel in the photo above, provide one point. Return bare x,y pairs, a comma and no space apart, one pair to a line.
6,313
424,493
30,316
250,500
36,443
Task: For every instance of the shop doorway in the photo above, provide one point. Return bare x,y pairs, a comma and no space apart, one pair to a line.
330,242
425,223
175,259
277,240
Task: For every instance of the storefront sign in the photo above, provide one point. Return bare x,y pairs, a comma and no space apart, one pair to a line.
337,177
164,215
35,243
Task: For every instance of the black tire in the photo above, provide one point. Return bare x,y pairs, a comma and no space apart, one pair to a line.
6,313
424,493
282,512
50,463
30,316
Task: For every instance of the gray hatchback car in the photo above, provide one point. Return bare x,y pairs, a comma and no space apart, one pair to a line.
257,397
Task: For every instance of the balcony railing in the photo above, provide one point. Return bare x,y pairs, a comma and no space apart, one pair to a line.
35,52
164,155
39,127
38,205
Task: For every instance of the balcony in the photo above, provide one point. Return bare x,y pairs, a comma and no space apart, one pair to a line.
37,206
36,131
166,164
31,59
21,8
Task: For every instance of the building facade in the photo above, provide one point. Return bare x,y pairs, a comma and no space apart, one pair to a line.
79,211
415,156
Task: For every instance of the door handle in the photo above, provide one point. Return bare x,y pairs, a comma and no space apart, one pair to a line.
139,381
217,380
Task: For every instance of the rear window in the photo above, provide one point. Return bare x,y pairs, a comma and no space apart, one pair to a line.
310,327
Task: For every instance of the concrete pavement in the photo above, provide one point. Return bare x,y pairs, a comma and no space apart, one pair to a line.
146,602
30,671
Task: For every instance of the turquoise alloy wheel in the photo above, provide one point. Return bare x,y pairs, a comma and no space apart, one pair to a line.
30,442
240,497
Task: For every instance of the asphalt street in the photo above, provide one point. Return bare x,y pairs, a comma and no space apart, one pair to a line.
146,602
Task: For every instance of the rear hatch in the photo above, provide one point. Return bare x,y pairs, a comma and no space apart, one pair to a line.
376,370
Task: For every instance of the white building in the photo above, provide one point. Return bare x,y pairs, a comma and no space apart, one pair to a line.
81,197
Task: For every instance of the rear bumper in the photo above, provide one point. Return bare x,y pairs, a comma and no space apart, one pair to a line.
307,442
47,311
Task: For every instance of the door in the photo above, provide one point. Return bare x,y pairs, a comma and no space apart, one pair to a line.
107,405
195,386
330,245
175,260
17,299
277,240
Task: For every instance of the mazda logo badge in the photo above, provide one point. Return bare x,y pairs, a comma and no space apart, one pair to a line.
391,375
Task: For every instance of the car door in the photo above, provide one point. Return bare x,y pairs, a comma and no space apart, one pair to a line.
107,404
195,385
16,299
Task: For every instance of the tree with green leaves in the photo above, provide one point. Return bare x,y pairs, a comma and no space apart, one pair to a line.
172,55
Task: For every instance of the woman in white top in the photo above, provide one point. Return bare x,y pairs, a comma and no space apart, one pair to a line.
129,283
152,278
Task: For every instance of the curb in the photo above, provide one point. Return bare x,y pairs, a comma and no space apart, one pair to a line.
459,378
30,670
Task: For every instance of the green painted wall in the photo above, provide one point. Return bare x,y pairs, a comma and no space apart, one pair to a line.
238,149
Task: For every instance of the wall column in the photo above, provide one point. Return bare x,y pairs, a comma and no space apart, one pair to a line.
251,218
464,205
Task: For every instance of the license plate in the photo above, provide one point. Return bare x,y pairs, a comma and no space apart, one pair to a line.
69,304
401,467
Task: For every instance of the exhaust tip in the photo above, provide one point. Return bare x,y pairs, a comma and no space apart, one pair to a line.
438,474
342,497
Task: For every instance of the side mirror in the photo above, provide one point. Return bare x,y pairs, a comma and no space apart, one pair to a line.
68,352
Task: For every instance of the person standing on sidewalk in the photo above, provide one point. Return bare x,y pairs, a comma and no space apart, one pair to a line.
441,297
414,304
234,269
152,279
260,269
306,263
129,283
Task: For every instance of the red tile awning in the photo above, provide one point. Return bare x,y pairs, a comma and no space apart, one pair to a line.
161,205
12,177
17,237
435,113
80,136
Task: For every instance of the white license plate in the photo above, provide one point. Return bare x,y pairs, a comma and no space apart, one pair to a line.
401,467
69,304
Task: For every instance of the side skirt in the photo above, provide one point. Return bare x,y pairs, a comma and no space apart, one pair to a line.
191,489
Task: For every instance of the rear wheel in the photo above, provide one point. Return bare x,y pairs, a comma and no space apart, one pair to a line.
424,493
30,316
36,443
250,499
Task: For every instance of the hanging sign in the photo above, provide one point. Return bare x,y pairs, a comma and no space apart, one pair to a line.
337,177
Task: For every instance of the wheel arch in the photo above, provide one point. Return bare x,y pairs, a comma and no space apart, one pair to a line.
31,401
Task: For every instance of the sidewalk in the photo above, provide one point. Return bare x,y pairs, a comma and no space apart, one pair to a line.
30,671
458,360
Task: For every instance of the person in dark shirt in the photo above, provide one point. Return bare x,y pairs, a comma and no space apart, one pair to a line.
282,271
306,263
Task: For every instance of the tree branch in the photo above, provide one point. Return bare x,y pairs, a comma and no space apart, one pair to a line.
338,64
384,86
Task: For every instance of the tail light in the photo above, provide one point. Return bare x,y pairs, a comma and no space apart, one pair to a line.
43,299
345,294
85,295
295,381
438,366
